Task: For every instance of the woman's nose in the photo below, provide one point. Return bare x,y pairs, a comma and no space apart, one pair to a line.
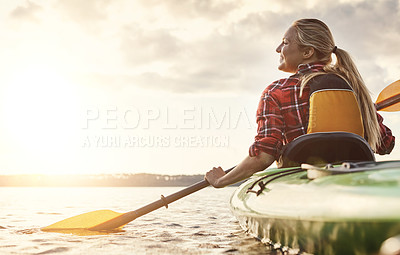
278,50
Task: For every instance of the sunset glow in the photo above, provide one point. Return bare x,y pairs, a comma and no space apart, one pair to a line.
40,113
159,86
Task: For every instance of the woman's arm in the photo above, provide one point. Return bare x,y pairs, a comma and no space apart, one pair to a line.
268,144
388,140
250,165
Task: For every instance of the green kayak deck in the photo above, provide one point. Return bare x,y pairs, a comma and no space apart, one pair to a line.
351,213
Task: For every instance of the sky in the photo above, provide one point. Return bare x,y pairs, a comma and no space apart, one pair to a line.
160,86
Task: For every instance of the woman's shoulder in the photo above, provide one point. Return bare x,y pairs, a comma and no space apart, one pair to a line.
279,85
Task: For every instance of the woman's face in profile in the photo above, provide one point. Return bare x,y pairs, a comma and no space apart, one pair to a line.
290,54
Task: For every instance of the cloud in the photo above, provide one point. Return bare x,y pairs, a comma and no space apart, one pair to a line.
208,9
89,14
143,46
228,58
26,12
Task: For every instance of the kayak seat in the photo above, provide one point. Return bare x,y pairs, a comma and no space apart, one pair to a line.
325,147
335,131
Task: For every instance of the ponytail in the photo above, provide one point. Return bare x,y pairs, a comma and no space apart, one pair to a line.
314,33
347,69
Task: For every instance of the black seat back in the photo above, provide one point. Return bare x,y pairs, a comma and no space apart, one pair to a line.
325,147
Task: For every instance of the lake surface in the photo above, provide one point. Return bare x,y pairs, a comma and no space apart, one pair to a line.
198,224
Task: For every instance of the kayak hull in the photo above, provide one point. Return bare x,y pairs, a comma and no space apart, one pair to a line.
321,237
342,214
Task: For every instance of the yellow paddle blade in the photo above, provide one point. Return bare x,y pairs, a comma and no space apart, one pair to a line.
84,232
389,98
83,221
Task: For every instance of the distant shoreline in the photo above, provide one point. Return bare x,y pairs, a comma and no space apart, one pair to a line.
100,180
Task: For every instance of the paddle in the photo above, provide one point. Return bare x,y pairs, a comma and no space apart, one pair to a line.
106,220
389,98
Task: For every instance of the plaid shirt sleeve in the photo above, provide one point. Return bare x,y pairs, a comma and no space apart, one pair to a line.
388,140
270,125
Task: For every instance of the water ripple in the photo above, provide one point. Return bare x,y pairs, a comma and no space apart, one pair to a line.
54,250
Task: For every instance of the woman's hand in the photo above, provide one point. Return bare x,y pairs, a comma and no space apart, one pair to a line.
250,165
214,177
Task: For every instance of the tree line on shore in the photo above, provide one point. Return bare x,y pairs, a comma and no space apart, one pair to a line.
101,180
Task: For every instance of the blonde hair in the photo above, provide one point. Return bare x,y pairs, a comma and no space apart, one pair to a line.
316,34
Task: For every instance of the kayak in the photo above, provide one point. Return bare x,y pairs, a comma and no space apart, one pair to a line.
342,209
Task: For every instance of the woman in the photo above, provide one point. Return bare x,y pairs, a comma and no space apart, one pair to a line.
282,115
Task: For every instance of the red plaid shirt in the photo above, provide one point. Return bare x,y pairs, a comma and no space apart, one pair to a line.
282,115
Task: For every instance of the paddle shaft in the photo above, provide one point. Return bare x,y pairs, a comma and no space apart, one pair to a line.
164,201
388,102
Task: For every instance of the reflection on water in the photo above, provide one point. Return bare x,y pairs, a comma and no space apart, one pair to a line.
198,224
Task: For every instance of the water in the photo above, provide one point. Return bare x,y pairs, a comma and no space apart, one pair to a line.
198,224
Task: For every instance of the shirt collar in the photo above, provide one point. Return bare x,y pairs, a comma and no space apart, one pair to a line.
310,67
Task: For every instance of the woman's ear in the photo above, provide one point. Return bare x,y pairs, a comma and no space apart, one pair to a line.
308,52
